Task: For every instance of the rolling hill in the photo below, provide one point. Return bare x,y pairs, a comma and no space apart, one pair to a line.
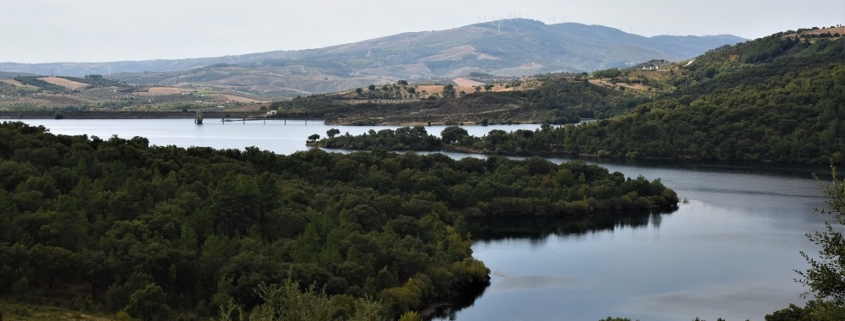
507,48
774,99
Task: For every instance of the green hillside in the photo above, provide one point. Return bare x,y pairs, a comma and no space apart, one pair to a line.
779,98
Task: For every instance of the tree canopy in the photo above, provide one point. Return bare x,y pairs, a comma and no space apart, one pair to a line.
159,230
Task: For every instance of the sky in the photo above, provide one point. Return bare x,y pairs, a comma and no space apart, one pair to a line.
37,31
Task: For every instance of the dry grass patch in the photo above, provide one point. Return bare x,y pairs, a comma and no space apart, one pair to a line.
12,311
164,91
839,30
464,82
250,108
430,89
17,83
607,83
237,99
438,89
69,84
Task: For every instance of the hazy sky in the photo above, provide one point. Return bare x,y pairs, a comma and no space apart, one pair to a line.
34,31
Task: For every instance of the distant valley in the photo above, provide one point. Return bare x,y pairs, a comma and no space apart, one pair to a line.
511,48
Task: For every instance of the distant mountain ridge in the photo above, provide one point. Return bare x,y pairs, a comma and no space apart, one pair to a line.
508,48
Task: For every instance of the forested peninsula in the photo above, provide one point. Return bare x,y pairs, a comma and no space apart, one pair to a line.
778,99
119,226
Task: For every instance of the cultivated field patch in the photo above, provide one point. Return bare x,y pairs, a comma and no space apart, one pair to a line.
69,84
156,91
832,31
438,89
18,83
237,99
464,82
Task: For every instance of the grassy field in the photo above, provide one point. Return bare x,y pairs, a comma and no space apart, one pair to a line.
11,311
69,84
155,91
17,83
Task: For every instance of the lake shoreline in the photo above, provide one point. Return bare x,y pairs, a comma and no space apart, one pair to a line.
22,115
595,156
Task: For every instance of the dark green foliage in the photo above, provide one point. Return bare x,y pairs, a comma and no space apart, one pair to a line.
404,138
12,90
788,110
159,230
812,311
453,134
607,73
793,313
449,91
768,48
148,304
573,99
97,81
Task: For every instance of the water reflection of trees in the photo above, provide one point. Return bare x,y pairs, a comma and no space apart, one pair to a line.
537,229
450,311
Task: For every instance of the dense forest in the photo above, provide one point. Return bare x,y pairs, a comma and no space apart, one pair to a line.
161,232
775,99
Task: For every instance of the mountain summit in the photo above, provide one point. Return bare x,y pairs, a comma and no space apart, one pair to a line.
513,47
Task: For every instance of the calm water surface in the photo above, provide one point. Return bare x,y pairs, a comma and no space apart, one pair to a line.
729,252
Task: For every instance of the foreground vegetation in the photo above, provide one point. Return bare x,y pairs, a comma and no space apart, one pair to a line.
825,277
165,232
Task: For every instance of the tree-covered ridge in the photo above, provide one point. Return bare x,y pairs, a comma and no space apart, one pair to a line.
754,62
789,107
160,230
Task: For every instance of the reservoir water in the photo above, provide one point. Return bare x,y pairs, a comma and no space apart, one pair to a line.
729,251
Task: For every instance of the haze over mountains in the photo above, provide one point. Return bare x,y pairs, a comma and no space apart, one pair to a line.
514,47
